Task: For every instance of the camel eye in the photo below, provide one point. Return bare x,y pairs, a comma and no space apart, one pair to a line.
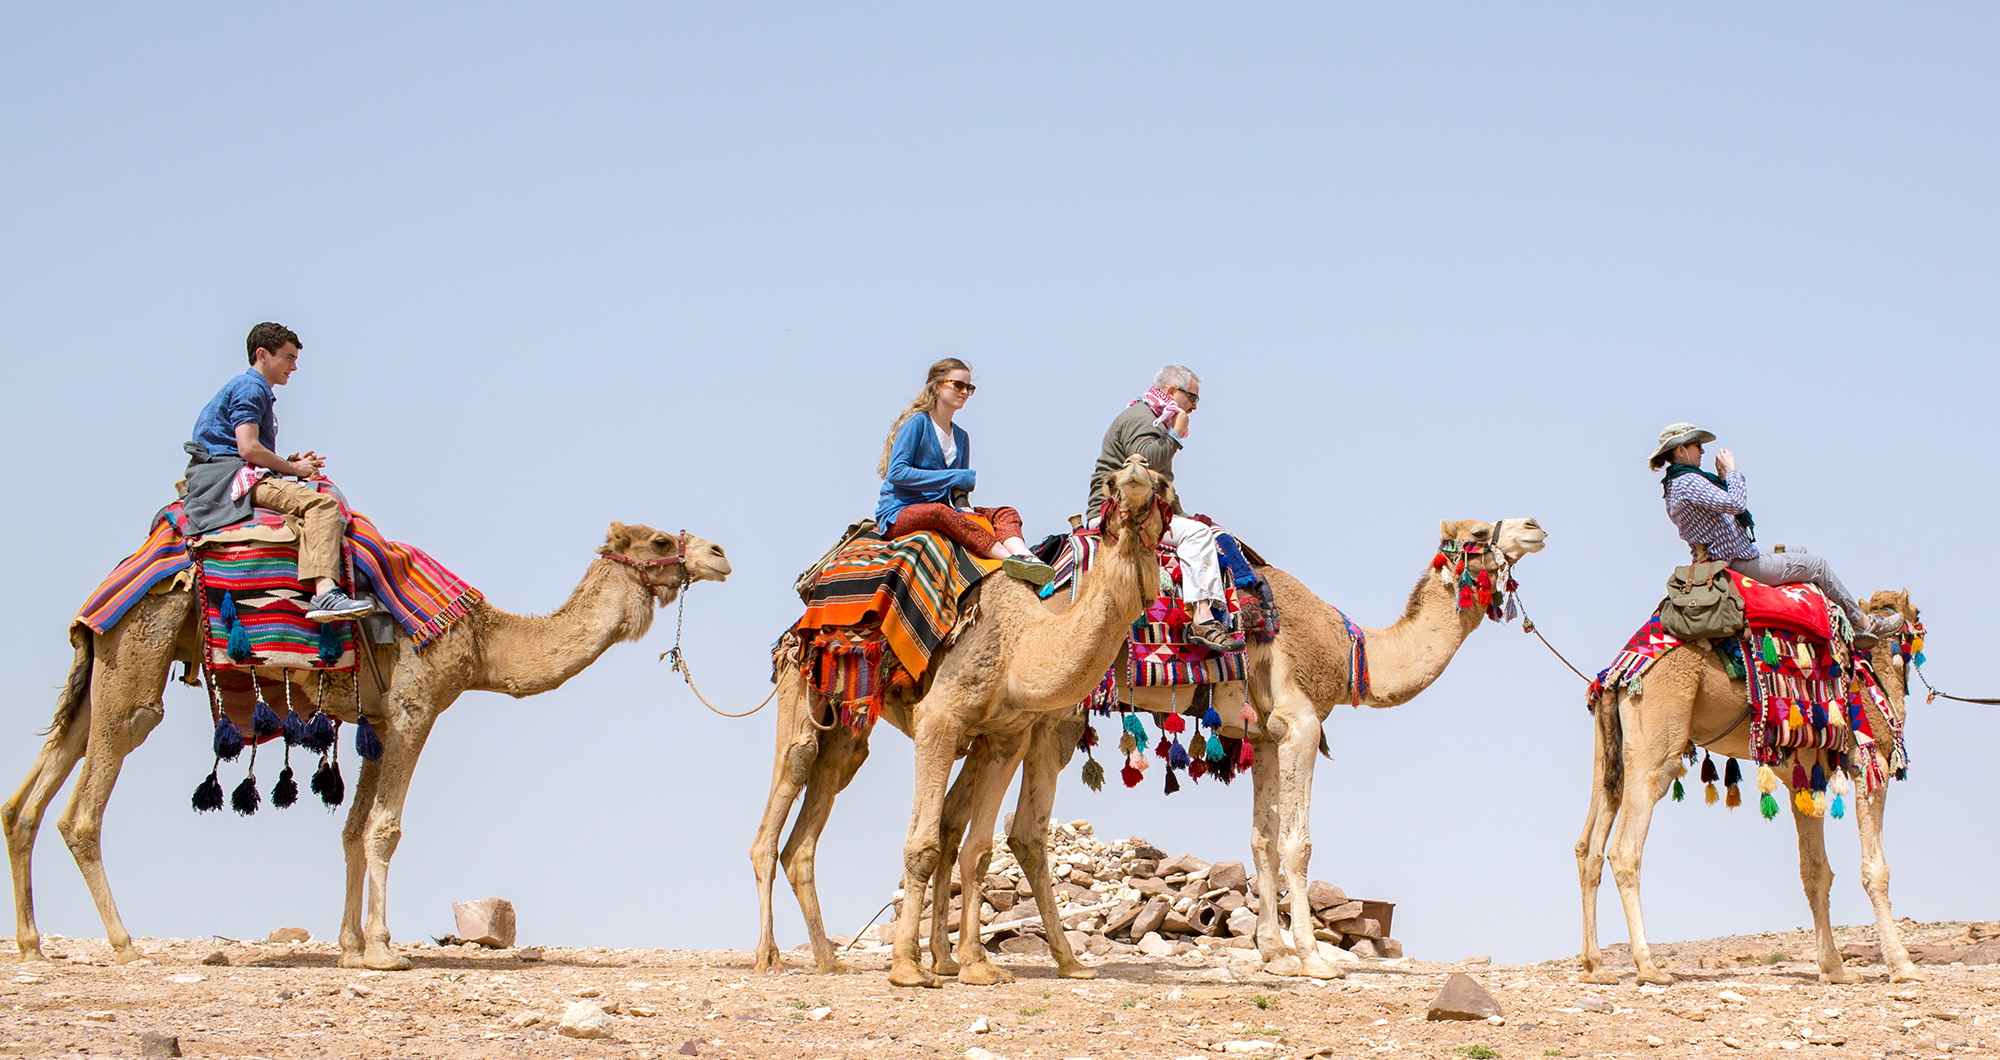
661,541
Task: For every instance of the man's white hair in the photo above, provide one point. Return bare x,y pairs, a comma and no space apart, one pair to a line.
1175,375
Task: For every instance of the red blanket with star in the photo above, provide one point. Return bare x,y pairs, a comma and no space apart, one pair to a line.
1794,608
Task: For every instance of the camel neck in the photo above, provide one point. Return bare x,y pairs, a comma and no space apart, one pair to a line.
1066,654
525,654
1407,657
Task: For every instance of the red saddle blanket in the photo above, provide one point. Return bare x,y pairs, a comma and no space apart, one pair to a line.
1796,608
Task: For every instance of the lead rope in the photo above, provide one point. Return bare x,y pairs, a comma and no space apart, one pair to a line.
677,660
1528,626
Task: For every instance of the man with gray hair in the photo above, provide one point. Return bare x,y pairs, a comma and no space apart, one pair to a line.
1156,427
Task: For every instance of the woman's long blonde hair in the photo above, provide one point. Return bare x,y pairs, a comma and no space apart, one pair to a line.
926,400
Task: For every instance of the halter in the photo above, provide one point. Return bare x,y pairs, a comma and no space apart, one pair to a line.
678,558
1487,590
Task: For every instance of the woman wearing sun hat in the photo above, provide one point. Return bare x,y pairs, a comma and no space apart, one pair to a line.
1712,509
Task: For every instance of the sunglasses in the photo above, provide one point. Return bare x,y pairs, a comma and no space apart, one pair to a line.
961,386
1194,397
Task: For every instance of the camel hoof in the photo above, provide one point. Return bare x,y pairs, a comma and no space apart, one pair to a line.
31,952
1601,977
1838,977
1075,971
833,967
1908,974
379,961
767,963
1655,977
1317,967
911,975
946,966
985,973
1287,965
127,954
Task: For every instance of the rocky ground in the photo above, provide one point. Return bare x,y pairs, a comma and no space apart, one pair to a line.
1754,995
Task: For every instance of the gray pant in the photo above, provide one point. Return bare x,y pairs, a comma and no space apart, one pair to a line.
1798,566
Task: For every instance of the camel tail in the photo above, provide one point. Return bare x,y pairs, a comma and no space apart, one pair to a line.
76,689
1611,745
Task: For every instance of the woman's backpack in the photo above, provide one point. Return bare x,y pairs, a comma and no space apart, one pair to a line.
1702,603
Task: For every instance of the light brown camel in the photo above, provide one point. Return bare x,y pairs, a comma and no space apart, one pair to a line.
1686,695
1295,681
113,699
1015,661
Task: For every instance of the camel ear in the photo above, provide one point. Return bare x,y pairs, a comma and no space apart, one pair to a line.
618,538
1448,529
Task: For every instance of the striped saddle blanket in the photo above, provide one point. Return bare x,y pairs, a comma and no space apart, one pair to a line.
250,580
877,611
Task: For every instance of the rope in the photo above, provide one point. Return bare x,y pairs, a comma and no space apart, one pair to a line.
1528,625
678,660
869,924
1936,695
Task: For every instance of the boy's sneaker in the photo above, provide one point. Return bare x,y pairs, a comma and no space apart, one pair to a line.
335,606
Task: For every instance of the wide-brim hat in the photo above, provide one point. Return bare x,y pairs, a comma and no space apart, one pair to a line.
1675,435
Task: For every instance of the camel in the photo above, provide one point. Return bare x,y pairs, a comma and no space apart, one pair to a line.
1015,661
113,699
1294,683
1640,739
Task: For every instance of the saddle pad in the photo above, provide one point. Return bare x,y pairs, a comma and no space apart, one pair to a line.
255,611
1798,608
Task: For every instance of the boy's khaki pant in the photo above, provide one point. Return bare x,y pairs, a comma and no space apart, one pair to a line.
321,527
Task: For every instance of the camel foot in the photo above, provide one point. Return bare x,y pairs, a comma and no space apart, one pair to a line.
984,973
1317,967
946,966
906,973
382,960
1286,965
1601,977
1908,973
1655,977
831,966
29,951
1838,977
1075,971
126,954
768,962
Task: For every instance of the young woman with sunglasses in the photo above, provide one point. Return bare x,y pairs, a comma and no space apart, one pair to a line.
926,471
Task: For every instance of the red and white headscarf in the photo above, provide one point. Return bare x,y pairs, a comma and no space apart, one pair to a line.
1160,399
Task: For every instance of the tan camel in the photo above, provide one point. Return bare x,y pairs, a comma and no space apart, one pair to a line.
1016,662
113,699
1294,683
1640,740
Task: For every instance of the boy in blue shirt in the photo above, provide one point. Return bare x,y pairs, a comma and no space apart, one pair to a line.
233,468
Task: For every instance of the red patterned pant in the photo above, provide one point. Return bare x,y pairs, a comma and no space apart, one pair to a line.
952,523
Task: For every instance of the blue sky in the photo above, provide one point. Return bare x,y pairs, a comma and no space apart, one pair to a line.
681,266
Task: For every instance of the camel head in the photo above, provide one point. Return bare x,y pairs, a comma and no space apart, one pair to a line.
1139,499
664,563
1488,546
1896,656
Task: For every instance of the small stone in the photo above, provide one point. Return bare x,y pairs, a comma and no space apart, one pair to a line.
1655,1041
1594,1004
216,958
1365,948
646,1011
524,1020
1242,922
529,954
186,978
589,991
29,980
689,1048
1150,918
819,1014
289,934
1154,946
1248,1045
357,990
1731,997
977,1053
981,1026
157,1043
1462,998
1390,949
583,1019
1025,946
1323,895
100,1016
1227,875
1183,865
486,921
1732,1043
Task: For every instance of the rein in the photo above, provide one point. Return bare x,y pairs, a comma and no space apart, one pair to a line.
675,657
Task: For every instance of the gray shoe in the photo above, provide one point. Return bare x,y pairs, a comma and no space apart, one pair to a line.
1885,625
336,606
1028,569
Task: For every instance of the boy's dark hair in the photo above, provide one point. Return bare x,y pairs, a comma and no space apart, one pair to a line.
270,336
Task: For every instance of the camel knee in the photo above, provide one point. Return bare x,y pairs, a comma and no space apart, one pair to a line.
1875,878
1296,854
799,759
83,834
1027,852
920,858
1625,869
383,837
141,722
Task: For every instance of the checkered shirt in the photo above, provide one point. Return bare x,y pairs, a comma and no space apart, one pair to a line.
1707,516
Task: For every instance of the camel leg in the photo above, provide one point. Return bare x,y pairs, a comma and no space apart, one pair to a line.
1597,823
936,737
22,820
793,762
1271,943
1817,876
836,765
1646,779
1048,749
1296,725
1875,880
113,735
996,771
355,852
951,837
406,725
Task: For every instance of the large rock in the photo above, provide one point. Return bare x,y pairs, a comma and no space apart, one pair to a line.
1118,922
1155,946
1147,884
289,935
1143,850
1337,912
158,1043
1366,927
1182,865
584,1019
1150,918
1242,922
1227,875
486,921
1462,999
1323,895
1389,947
1025,946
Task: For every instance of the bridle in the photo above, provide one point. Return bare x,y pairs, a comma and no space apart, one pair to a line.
674,657
677,559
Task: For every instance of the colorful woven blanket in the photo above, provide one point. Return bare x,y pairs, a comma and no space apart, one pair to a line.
423,597
256,612
905,595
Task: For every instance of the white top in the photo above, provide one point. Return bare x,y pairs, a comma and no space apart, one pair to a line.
947,440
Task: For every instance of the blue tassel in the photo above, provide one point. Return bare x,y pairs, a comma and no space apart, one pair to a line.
264,721
1918,660
1136,727
319,734
1214,748
326,784
1177,757
208,794
244,799
239,643
286,791
1212,718
329,643
227,612
295,728
228,740
1819,716
366,743
1839,807
1818,778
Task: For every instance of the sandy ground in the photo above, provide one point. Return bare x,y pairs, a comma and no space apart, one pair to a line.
283,1000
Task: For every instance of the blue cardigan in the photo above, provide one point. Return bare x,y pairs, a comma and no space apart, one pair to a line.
918,473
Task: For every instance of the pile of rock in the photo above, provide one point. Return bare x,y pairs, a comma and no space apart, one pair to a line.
1129,896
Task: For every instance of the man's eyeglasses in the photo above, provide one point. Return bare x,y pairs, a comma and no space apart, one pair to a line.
961,386
1194,397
